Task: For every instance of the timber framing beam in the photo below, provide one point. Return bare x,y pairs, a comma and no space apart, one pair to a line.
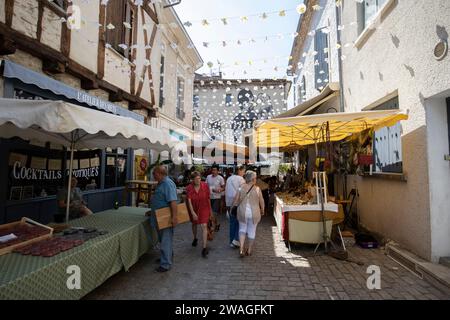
65,34
7,46
13,39
39,22
151,11
101,42
9,12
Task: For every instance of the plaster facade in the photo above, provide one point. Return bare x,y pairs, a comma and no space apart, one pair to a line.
324,19
396,56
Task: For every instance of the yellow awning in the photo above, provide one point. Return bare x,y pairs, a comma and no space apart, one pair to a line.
307,130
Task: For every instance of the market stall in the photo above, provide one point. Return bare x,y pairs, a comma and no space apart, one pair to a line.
34,262
128,237
306,213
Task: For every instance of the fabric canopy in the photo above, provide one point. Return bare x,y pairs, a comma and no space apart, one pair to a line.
307,130
61,123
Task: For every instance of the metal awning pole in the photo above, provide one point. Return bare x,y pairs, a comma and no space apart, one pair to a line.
69,183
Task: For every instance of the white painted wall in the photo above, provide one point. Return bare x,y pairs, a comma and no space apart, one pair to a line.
325,17
25,17
439,172
398,55
84,42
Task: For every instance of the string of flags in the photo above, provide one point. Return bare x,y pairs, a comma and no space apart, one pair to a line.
205,22
250,64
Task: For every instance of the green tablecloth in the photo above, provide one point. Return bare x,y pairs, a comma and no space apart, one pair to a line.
129,236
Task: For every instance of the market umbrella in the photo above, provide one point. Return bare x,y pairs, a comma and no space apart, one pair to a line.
77,128
307,130
293,133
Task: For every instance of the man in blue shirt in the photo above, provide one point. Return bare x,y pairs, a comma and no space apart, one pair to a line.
165,196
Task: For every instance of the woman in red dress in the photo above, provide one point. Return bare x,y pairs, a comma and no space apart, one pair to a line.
199,207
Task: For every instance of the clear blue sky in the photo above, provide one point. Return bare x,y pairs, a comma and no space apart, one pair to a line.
275,50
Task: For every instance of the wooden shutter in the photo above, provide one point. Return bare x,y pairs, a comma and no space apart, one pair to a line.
118,12
388,149
320,44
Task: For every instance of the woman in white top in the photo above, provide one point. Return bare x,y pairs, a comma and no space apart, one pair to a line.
250,204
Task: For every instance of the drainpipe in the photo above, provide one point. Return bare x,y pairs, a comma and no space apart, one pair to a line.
341,78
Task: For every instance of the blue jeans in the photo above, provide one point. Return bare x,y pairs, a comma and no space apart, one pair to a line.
234,228
166,240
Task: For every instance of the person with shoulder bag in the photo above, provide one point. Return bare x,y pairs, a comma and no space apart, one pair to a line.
249,204
231,189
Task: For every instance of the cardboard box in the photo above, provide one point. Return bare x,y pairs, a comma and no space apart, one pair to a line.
163,216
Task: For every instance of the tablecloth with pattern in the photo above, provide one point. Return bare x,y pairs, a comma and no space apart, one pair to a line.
129,237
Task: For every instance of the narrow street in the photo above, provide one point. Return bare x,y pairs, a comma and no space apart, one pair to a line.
270,273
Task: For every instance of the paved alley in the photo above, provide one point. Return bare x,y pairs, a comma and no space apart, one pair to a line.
271,273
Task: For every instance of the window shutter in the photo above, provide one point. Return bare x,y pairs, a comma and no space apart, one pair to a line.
321,69
388,149
114,16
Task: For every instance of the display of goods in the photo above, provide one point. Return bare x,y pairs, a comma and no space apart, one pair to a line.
290,199
49,248
25,231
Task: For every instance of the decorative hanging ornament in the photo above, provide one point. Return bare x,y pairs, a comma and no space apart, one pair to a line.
264,16
301,9
187,24
127,25
244,19
110,26
205,23
206,44
282,13
224,44
224,21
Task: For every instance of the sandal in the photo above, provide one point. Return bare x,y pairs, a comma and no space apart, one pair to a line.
241,254
248,253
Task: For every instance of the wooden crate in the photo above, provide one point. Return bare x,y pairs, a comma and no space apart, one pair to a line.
27,222
163,216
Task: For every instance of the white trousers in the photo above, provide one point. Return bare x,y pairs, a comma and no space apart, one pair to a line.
248,228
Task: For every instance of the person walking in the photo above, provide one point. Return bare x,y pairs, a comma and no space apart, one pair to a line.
216,185
200,208
165,196
232,187
250,203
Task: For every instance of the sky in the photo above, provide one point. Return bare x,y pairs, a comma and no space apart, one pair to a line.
261,59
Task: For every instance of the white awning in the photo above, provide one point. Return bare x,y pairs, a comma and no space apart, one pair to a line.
63,123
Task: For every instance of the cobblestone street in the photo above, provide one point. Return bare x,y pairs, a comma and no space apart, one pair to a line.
270,273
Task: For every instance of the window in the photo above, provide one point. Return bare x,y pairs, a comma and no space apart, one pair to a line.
41,171
116,168
368,9
302,93
120,38
196,101
161,83
228,99
180,98
321,63
387,144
